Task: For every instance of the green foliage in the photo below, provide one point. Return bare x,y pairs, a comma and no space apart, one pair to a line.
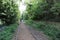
8,32
48,29
43,10
8,11
9,15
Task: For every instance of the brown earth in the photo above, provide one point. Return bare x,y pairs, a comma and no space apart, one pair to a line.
24,33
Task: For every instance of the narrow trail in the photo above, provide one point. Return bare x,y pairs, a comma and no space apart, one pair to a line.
23,33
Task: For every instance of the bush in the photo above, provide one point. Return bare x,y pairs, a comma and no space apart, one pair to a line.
48,29
8,32
8,12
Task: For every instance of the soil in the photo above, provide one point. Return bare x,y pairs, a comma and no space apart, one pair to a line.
25,33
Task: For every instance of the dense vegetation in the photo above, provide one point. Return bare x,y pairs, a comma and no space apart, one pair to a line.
43,10
9,16
50,29
8,11
40,13
7,32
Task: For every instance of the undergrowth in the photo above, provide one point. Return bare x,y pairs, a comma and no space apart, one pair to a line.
7,32
48,29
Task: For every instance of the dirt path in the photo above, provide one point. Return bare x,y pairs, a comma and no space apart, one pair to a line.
23,33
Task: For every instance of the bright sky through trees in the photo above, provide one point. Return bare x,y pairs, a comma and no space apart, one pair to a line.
22,6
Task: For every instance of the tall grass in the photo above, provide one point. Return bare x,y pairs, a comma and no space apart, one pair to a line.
7,32
48,29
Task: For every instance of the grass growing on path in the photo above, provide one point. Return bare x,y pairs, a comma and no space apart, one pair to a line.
48,29
7,32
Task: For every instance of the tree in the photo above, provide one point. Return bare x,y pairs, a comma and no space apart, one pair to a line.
43,10
9,11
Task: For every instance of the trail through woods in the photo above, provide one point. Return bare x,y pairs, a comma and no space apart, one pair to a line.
24,33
